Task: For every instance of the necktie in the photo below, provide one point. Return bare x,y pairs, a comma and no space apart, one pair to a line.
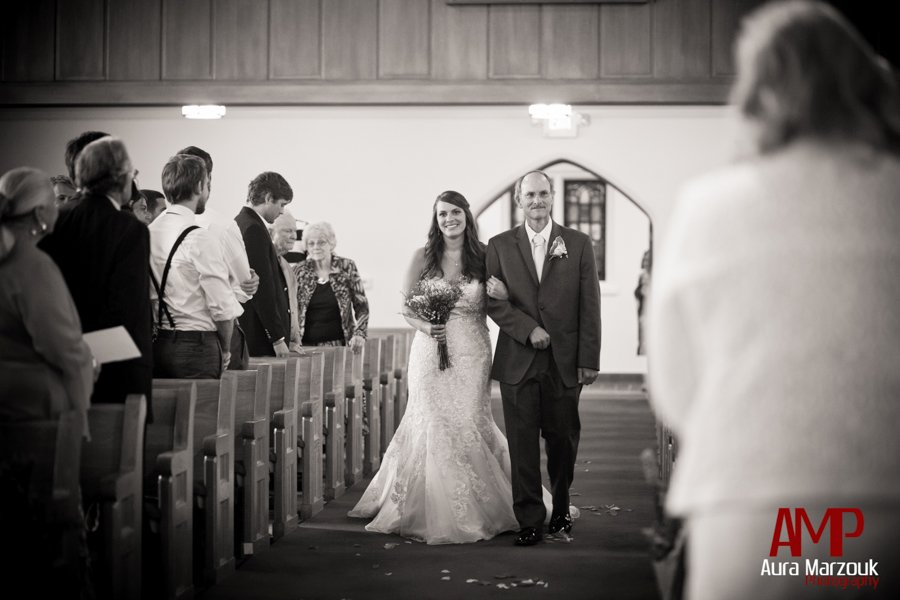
539,251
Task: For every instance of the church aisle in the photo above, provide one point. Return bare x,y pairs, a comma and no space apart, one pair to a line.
332,556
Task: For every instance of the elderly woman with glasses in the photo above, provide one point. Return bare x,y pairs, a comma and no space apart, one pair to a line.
332,309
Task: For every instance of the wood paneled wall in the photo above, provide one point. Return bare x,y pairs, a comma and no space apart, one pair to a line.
69,52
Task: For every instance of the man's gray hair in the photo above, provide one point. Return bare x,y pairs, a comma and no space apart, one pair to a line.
103,165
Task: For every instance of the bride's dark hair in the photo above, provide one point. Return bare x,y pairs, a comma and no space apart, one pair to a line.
473,250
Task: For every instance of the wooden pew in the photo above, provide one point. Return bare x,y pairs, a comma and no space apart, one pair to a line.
169,473
283,413
213,452
354,394
40,504
312,403
251,450
401,362
388,392
372,388
335,359
112,476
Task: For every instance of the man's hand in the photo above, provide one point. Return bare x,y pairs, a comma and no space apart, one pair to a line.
539,338
250,286
587,376
281,349
226,360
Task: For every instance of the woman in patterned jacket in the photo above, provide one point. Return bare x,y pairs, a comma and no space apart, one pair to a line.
332,309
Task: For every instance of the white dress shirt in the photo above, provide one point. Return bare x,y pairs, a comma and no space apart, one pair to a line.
291,279
235,255
197,292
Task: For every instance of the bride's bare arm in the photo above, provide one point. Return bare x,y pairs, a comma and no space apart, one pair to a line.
412,276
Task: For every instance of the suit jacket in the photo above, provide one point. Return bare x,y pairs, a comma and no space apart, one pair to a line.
104,255
566,303
266,317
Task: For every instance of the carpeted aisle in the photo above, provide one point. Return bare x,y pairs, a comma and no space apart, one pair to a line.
332,556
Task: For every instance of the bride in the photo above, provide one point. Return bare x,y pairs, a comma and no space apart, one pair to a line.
445,477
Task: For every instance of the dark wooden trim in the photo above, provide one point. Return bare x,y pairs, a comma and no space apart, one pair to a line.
136,93
451,2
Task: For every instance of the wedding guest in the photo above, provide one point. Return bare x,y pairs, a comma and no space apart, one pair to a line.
103,256
196,315
74,148
156,202
45,366
137,206
641,293
242,279
298,253
284,234
773,331
63,188
332,309
266,322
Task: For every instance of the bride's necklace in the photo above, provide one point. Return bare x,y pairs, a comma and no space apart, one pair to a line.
455,261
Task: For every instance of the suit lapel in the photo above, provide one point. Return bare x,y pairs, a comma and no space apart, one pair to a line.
525,249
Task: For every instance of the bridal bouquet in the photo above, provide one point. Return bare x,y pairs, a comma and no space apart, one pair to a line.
432,300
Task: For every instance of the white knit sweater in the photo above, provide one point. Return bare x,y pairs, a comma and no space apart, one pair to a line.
774,331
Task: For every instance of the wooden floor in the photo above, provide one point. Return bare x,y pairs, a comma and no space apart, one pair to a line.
332,556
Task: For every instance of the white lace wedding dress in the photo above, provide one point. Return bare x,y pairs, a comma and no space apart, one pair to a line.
445,477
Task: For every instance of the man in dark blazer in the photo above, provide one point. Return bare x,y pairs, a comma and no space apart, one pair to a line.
548,348
104,254
266,320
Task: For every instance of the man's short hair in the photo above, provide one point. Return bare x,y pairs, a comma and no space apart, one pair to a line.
76,145
181,176
64,179
103,165
200,153
154,198
268,183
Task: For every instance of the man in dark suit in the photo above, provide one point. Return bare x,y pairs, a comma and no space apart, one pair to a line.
104,254
266,320
548,348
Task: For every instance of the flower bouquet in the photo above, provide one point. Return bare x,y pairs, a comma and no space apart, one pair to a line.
432,300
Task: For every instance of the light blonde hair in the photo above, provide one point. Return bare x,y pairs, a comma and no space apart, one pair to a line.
324,229
804,71
21,191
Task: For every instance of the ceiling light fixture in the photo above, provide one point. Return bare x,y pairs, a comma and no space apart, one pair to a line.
558,120
203,111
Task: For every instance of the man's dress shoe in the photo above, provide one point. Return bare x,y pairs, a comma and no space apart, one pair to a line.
560,522
528,536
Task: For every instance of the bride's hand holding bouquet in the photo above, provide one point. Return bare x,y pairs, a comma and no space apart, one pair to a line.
432,300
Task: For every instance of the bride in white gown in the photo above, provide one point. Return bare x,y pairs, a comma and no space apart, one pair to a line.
445,477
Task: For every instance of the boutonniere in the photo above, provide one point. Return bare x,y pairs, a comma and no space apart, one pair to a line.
558,249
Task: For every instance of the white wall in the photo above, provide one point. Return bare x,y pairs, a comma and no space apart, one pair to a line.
374,172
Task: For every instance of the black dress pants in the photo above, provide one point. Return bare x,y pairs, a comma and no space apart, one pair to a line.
541,406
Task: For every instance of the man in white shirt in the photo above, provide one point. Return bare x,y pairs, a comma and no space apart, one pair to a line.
196,321
243,280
